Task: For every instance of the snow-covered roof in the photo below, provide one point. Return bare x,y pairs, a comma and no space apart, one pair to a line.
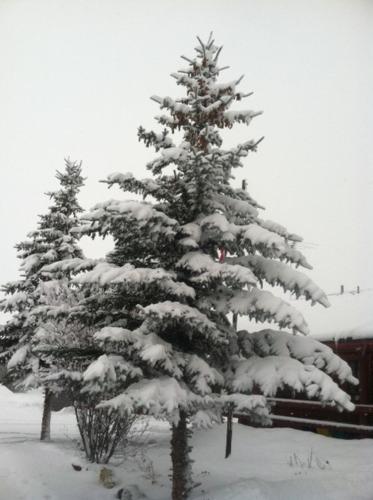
350,315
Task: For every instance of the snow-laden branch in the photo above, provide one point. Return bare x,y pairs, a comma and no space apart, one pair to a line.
164,396
264,239
19,357
274,373
202,376
157,353
162,140
74,265
189,318
182,154
279,229
15,301
128,182
243,116
148,347
234,206
104,214
173,106
205,269
128,275
305,349
252,235
254,406
279,273
106,371
260,305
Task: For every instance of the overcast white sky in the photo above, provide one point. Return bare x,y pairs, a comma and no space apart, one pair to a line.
76,76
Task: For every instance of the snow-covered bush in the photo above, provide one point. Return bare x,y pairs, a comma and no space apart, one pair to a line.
101,429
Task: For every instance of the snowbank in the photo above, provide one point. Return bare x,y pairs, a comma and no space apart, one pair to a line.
6,395
266,464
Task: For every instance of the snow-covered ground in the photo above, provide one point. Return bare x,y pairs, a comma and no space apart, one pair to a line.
266,464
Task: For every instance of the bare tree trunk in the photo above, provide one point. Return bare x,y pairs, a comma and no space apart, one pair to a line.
181,462
228,441
46,420
235,321
229,434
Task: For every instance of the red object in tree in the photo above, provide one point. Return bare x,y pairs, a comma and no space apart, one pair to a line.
222,254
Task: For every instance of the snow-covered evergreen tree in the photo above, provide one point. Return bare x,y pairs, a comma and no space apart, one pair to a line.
161,300
52,241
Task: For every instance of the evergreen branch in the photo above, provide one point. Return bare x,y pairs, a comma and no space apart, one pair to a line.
187,59
202,46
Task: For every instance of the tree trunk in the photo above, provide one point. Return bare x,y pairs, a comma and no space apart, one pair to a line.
46,420
228,442
181,462
235,321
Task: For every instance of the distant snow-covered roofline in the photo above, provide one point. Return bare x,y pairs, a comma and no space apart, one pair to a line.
349,317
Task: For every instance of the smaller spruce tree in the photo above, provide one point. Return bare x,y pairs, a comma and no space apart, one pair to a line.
53,240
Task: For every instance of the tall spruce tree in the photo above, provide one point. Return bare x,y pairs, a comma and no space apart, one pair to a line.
185,260
52,241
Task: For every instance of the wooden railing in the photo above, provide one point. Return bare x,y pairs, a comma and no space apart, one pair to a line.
361,412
